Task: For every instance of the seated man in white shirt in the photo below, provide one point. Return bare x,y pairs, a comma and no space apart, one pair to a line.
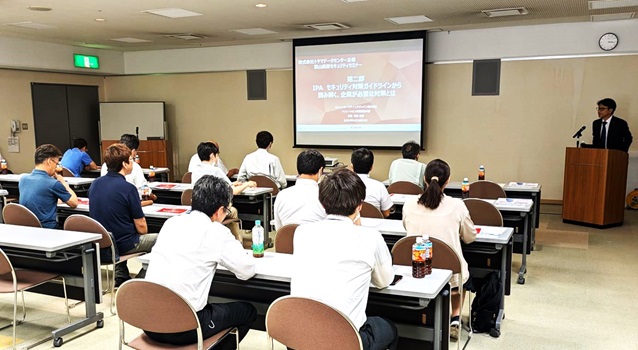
341,277
186,264
261,162
299,204
219,163
408,169
207,152
362,160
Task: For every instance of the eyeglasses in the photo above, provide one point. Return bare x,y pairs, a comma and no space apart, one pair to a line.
227,211
601,108
58,162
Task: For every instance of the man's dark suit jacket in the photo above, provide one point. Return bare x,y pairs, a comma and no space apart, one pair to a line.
618,137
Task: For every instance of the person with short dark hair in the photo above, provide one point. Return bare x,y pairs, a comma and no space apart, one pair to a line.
359,256
609,131
136,177
76,159
445,218
207,152
41,189
362,160
408,168
299,204
115,203
262,162
188,250
219,163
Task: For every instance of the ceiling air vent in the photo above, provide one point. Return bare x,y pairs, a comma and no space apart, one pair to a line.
187,36
513,11
327,26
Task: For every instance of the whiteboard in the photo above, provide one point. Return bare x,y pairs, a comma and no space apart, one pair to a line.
117,118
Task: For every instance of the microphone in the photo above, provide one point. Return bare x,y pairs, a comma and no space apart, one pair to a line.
578,133
137,131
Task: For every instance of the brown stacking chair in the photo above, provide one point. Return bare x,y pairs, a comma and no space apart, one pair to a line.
155,308
444,257
486,190
187,197
67,173
14,281
302,323
83,223
187,178
370,211
483,213
18,214
405,187
265,181
284,238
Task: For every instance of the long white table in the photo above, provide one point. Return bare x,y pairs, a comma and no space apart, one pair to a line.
521,207
42,248
489,242
79,184
272,280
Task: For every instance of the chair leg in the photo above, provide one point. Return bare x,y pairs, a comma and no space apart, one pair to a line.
24,309
66,300
112,286
236,331
15,311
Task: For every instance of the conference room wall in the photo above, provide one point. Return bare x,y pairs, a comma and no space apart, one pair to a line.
15,99
519,135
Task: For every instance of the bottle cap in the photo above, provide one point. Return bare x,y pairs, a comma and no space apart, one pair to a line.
419,239
426,237
257,222
465,179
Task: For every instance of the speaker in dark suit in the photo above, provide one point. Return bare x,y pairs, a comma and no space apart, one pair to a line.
617,134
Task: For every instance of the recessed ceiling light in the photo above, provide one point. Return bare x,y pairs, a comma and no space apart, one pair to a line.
613,17
39,8
512,11
173,13
610,4
131,40
261,5
187,36
100,19
409,19
254,31
327,26
30,25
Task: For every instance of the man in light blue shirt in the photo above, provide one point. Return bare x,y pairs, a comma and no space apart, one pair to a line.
76,159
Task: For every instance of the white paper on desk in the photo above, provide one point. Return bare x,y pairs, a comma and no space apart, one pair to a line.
523,184
515,202
491,230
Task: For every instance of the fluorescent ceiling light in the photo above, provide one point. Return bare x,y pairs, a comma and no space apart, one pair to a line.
409,19
254,31
514,11
612,17
187,36
131,40
30,25
611,4
327,26
173,13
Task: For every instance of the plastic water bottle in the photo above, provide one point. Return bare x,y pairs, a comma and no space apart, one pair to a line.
146,193
258,240
465,188
151,174
137,158
481,175
428,254
3,166
418,258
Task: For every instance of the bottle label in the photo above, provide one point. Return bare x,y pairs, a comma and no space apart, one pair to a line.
418,254
427,254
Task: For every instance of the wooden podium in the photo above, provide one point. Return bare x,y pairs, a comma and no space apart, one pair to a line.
157,153
594,186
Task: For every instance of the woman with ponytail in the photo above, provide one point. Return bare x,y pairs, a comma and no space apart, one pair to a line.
445,218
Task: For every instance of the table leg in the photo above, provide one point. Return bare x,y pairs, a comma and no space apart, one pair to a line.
88,252
438,322
501,312
526,229
267,206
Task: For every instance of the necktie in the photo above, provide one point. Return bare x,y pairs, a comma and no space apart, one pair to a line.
603,136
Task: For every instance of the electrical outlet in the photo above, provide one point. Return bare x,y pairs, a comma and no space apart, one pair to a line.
25,126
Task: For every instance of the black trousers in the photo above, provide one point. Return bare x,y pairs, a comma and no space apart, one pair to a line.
214,318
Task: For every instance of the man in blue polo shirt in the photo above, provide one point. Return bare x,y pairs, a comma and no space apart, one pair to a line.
115,203
76,159
41,189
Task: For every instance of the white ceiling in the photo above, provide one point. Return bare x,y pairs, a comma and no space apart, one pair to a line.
73,21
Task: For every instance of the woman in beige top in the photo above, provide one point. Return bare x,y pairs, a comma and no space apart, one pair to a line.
442,217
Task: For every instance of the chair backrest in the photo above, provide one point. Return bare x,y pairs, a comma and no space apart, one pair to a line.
302,323
18,214
265,181
370,211
5,264
153,307
187,178
486,190
83,223
483,213
404,187
67,173
284,238
187,197
443,256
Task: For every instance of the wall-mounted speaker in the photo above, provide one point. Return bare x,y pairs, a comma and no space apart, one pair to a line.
486,77
256,82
